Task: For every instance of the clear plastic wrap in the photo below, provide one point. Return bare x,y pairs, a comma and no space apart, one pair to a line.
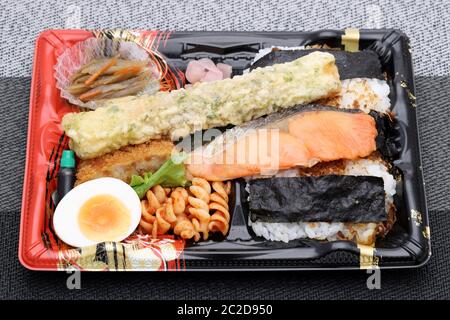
75,57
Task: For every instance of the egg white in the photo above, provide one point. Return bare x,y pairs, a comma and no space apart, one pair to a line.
65,218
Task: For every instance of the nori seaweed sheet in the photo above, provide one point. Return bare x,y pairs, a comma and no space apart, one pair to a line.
331,198
387,135
361,64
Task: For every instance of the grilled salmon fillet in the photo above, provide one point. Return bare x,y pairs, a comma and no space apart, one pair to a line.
311,135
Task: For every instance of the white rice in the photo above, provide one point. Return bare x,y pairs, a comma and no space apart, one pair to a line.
363,232
365,94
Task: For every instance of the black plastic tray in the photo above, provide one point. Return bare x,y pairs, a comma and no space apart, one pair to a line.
407,245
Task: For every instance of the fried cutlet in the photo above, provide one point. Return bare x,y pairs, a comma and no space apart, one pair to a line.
123,163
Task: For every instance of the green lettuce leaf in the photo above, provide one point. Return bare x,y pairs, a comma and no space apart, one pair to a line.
136,180
170,174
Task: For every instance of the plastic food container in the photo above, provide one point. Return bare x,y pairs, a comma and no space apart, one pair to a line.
407,245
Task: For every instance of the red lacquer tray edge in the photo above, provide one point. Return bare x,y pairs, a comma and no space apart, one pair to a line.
26,258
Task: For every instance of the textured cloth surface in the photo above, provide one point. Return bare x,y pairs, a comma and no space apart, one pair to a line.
429,282
424,22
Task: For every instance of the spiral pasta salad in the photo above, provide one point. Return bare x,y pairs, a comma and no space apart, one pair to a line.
190,213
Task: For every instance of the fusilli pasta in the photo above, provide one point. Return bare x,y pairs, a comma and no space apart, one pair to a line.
220,219
191,213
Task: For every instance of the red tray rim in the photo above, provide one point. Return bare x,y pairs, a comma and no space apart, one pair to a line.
24,258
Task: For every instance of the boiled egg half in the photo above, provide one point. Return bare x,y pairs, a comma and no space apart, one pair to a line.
100,210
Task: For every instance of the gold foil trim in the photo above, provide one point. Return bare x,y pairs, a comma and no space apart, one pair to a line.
120,256
350,39
367,257
139,254
416,216
118,34
88,258
110,252
88,261
426,233
411,96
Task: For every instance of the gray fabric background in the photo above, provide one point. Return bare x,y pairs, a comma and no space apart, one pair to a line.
424,21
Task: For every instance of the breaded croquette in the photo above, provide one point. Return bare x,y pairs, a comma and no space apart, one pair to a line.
123,163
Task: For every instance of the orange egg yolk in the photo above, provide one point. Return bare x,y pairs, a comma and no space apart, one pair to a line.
104,218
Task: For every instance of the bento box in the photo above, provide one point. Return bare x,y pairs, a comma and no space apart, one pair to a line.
245,228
